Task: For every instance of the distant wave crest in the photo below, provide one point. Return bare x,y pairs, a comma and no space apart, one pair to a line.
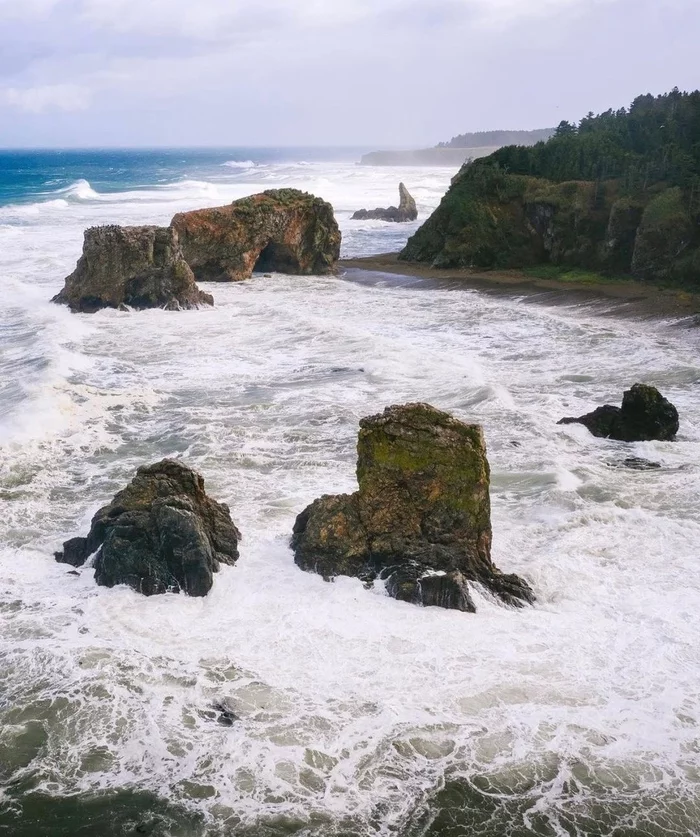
239,164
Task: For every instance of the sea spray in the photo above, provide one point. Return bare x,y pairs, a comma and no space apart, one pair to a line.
355,713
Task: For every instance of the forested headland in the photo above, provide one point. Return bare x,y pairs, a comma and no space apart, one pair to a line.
617,193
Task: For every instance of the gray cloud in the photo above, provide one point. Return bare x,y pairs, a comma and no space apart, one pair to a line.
398,72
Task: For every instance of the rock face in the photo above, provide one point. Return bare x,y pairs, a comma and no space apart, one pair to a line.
282,230
493,219
645,415
664,237
421,516
406,210
161,533
141,267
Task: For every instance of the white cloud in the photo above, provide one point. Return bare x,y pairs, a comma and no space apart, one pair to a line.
68,97
508,12
218,19
25,9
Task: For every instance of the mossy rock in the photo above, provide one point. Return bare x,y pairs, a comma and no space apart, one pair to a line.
282,230
664,237
481,222
420,518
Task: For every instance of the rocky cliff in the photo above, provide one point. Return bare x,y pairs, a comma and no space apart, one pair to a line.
492,219
281,230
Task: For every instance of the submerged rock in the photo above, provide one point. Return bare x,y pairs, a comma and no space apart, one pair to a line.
160,533
421,517
645,415
281,230
636,463
141,267
406,210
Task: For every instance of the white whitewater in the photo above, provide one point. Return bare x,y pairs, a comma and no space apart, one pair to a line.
352,707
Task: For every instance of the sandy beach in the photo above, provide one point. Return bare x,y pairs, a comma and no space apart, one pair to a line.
615,297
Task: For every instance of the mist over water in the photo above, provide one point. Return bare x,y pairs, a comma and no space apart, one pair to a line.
357,714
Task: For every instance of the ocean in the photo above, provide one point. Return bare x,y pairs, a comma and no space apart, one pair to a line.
357,714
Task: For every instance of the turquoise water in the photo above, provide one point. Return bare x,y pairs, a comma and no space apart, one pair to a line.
27,175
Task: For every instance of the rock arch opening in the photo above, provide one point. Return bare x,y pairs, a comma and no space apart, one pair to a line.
275,257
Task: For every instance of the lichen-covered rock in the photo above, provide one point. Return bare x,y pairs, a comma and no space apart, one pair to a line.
161,533
645,415
492,219
421,517
480,222
405,211
141,267
664,236
281,230
618,248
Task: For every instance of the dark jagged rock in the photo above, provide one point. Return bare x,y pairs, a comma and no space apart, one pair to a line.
421,517
160,533
636,463
281,230
645,415
437,589
405,211
141,267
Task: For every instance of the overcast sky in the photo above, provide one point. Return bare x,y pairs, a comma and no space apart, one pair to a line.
327,72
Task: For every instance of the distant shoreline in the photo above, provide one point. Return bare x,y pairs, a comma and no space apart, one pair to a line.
448,157
620,297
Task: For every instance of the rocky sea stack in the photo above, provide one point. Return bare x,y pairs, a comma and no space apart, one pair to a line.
161,533
405,211
281,230
139,267
421,517
645,415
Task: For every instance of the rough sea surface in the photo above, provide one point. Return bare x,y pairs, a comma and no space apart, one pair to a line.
355,714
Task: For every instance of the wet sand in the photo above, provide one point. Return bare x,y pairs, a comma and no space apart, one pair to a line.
616,298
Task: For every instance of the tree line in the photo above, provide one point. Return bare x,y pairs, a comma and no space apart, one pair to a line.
481,139
654,141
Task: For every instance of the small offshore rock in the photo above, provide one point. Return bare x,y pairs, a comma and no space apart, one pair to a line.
226,717
421,516
161,533
645,416
405,211
131,267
